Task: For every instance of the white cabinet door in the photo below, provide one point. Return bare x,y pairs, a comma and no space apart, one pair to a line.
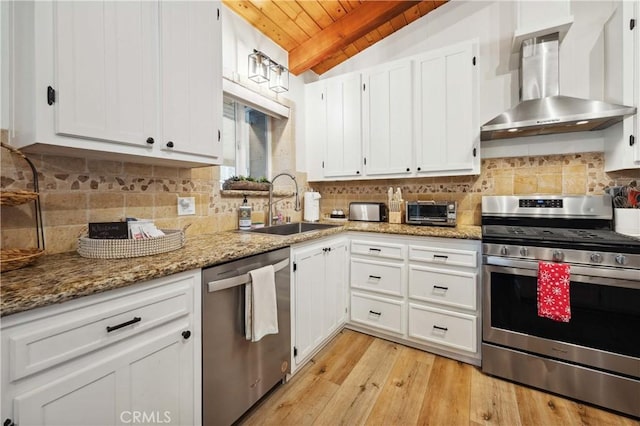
343,146
106,70
315,128
335,300
388,119
622,85
191,77
320,294
98,359
447,137
154,378
309,301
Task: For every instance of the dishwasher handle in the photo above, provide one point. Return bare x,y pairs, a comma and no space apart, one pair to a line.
240,279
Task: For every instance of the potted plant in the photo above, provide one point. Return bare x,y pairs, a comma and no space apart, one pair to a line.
246,183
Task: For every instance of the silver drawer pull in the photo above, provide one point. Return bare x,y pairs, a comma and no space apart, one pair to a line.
440,256
375,277
440,328
438,287
375,313
124,324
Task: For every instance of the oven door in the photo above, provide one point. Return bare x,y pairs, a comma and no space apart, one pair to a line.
604,330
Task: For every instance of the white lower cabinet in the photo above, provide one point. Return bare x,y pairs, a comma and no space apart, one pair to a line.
381,313
319,295
450,288
130,355
374,275
420,291
446,328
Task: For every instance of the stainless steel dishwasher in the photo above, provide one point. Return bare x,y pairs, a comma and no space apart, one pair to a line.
236,372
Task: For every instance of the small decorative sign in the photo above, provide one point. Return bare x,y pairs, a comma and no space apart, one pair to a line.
109,230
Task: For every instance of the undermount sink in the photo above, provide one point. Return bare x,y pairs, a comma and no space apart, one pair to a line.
293,228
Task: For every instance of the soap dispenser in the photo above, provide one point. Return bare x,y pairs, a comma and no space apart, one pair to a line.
244,215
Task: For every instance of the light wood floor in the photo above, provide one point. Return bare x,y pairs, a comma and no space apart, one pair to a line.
359,379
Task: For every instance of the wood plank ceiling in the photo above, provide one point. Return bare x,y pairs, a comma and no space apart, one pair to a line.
320,34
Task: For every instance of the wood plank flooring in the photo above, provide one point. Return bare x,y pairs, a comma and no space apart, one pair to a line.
361,380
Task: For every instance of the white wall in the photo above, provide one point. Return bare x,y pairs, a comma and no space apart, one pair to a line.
238,41
4,64
493,23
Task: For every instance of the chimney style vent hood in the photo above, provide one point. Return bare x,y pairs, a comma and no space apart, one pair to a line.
542,111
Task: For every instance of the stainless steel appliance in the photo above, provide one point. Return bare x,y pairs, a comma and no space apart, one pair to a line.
595,357
368,212
431,213
236,372
542,109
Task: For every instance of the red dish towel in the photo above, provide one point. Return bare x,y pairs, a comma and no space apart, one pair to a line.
553,291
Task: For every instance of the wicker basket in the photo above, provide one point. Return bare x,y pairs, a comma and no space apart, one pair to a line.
120,249
11,259
245,185
15,198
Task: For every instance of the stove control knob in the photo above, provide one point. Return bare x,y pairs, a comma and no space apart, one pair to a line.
524,251
621,259
596,257
504,251
558,255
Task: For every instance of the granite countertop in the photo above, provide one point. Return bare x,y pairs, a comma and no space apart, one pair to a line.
60,277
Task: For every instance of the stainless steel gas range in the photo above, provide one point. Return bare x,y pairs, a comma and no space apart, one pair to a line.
595,356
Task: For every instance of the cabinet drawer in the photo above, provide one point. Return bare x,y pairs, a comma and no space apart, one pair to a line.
450,288
446,328
453,257
383,277
377,312
377,249
50,341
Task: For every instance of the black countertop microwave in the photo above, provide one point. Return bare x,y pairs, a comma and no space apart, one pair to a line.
431,213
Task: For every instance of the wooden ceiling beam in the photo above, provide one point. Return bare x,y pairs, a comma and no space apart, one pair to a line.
344,31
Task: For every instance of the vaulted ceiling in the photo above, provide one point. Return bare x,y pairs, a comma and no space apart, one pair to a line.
320,34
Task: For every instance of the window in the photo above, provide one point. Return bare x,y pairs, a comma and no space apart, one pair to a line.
246,141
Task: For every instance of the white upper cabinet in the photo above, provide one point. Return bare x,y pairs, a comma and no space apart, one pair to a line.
414,117
622,85
343,148
106,78
315,128
191,70
387,119
334,128
447,131
138,80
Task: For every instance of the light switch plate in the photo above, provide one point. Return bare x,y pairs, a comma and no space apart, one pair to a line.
186,206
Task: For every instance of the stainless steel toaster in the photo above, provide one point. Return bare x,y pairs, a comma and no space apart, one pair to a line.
368,212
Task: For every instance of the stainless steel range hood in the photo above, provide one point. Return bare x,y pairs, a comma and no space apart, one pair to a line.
542,111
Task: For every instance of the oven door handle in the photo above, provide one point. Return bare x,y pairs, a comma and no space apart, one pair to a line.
609,276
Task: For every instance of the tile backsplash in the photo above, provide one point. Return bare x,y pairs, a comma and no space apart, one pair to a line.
550,174
75,191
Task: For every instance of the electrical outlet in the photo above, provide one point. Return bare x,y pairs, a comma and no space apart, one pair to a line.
186,206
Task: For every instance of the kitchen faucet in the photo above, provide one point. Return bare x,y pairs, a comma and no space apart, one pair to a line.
271,202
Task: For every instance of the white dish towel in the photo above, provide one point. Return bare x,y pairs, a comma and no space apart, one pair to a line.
261,307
